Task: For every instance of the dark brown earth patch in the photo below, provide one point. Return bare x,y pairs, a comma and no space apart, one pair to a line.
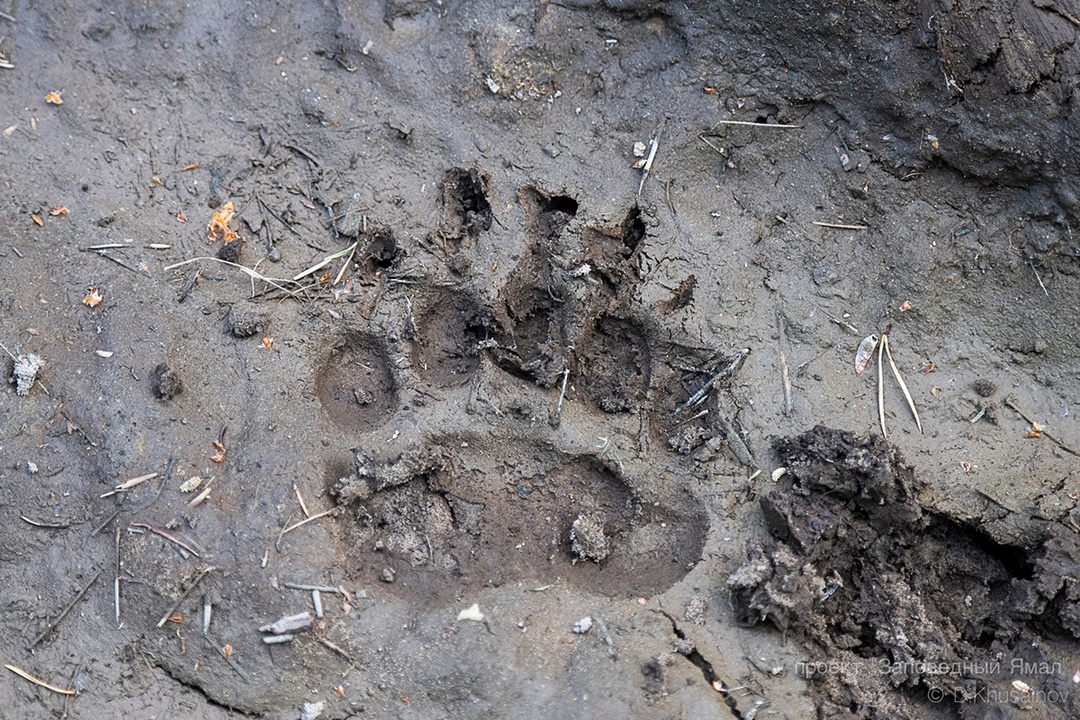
451,329
615,365
355,385
444,533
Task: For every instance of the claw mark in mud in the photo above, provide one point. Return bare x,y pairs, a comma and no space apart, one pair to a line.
615,365
466,212
451,330
475,521
355,384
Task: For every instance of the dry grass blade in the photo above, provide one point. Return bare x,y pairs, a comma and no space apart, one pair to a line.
881,389
37,681
900,380
252,273
326,261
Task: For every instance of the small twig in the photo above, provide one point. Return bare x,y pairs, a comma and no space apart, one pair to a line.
185,289
303,505
1047,294
556,417
1054,8
654,144
900,380
326,261
172,609
881,390
839,226
778,126
51,626
50,526
312,588
119,262
116,581
785,373
128,484
343,653
8,17
701,137
305,521
712,379
277,217
168,536
37,681
842,323
1031,421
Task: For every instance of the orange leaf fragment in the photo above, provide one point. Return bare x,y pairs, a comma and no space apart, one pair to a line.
180,217
192,166
37,220
268,343
905,306
93,297
340,691
10,130
58,210
219,456
1035,431
227,651
218,227
176,619
53,98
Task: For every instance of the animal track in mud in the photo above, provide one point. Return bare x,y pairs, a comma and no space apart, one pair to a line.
546,215
466,210
450,329
615,365
609,250
537,347
445,532
355,384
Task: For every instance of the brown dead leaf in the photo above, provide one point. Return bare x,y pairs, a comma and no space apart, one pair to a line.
218,227
53,98
59,210
37,220
93,297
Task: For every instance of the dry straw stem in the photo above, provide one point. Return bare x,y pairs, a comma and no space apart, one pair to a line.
900,380
251,273
881,389
777,126
839,226
37,681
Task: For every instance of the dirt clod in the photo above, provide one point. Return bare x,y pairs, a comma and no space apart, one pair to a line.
587,538
166,382
25,371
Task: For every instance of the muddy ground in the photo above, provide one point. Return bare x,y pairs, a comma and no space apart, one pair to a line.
530,376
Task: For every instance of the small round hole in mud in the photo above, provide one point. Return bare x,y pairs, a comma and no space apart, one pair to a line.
450,328
382,248
355,385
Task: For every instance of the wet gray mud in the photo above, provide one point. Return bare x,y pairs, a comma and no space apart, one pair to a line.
371,298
